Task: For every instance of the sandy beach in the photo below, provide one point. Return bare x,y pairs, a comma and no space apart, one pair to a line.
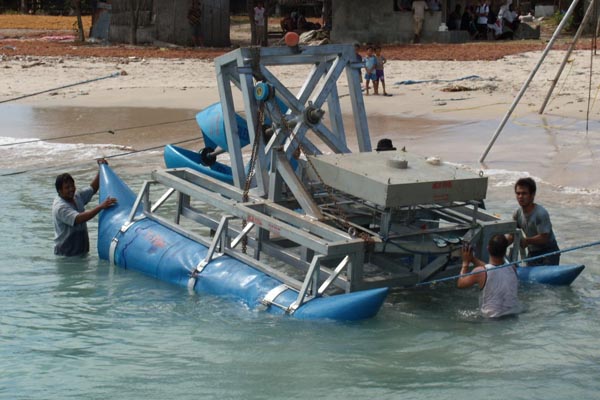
191,83
439,114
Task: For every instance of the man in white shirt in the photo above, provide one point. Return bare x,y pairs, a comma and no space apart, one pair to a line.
259,21
499,286
482,11
418,9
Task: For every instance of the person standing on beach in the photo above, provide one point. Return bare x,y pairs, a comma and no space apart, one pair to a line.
534,220
359,58
259,21
482,11
499,286
195,20
379,72
69,215
418,9
370,65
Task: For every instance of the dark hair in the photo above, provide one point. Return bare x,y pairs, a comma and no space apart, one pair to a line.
370,47
377,47
384,145
61,179
529,183
498,245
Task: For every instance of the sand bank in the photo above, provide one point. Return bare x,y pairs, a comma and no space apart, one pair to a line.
425,116
190,83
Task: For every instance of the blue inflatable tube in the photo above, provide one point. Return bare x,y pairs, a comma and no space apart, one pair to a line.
155,250
556,275
178,157
212,124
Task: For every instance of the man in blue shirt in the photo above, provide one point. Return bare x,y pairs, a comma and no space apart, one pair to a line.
534,220
70,217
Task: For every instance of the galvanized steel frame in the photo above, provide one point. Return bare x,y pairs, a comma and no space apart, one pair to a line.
245,66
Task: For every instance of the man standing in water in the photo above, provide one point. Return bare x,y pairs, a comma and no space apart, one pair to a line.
534,220
69,215
499,286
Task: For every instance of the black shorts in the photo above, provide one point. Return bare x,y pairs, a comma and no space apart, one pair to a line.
553,259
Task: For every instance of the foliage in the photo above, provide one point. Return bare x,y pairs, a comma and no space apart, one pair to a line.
557,18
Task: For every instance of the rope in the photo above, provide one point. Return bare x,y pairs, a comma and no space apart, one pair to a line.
413,82
111,156
449,278
150,148
595,97
115,74
111,131
587,115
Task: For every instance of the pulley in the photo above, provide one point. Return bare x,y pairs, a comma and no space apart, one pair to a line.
262,91
312,114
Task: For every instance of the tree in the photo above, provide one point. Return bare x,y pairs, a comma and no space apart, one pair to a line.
250,7
77,5
23,6
134,12
327,15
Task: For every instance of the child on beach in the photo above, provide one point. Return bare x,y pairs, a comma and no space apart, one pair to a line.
359,58
379,72
370,64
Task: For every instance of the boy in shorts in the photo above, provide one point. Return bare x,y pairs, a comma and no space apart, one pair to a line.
370,64
379,72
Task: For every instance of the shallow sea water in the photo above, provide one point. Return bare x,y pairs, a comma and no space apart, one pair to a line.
82,329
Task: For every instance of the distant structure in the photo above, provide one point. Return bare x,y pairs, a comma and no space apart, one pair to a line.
166,21
391,21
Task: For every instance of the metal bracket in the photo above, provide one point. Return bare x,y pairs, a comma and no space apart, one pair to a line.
270,297
115,240
142,196
218,240
242,234
311,281
111,251
162,199
338,270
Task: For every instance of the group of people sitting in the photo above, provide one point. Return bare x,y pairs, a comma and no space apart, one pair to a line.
296,22
482,21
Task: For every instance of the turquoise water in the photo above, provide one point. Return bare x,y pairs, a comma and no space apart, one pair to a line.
82,329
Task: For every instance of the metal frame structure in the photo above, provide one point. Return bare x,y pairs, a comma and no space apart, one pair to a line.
305,222
244,67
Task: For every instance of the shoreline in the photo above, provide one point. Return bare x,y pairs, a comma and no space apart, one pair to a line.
455,125
191,84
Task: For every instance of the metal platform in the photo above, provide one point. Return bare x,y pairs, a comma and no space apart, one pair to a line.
397,178
345,221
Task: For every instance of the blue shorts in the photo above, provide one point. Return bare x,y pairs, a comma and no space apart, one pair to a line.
379,74
370,77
